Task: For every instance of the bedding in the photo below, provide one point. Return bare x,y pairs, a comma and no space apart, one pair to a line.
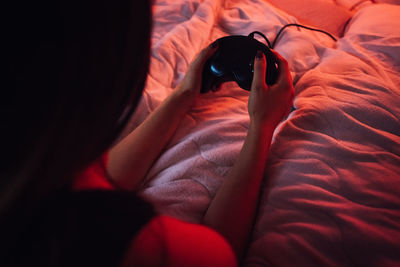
331,191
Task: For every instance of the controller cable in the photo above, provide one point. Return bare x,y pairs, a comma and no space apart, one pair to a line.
284,27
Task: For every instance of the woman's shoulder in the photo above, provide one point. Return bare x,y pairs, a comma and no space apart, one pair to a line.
160,240
168,241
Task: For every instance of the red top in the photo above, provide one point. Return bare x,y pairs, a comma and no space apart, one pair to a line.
164,240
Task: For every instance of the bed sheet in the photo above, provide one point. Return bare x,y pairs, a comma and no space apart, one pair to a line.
331,190
332,196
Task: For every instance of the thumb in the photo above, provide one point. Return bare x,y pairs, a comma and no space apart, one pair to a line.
260,67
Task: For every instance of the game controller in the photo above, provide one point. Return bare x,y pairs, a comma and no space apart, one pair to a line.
234,60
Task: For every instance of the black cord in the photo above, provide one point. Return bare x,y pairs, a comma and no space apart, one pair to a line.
260,33
281,30
298,25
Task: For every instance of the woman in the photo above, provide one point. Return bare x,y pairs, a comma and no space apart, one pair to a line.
75,75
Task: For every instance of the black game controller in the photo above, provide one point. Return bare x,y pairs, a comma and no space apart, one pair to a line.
234,60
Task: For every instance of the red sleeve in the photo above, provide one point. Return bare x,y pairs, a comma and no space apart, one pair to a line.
94,176
166,241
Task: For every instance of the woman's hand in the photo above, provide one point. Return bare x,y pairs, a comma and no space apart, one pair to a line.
270,103
191,83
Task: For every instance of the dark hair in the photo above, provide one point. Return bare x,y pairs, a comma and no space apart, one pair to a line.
75,72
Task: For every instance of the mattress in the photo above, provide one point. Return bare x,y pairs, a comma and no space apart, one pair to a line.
331,191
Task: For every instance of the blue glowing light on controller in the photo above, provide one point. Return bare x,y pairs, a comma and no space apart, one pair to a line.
213,69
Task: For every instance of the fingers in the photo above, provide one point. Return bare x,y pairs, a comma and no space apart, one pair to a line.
193,77
283,69
204,55
284,76
260,67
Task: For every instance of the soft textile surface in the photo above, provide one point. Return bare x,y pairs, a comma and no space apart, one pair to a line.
332,184
326,15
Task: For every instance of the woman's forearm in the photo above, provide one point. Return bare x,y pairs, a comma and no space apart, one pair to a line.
233,209
130,160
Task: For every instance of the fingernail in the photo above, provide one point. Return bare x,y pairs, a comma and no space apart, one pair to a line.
259,55
214,44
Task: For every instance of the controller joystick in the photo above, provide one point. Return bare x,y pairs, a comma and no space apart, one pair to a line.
233,61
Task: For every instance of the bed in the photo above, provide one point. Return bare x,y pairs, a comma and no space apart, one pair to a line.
331,191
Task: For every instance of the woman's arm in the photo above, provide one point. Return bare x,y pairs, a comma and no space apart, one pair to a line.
233,209
130,160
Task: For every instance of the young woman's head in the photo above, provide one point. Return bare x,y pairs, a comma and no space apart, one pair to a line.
75,72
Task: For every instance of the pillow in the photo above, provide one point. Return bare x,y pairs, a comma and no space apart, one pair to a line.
324,15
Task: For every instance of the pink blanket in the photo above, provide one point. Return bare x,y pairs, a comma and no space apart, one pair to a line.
331,195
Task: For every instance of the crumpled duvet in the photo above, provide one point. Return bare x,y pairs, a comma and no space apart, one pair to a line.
331,193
